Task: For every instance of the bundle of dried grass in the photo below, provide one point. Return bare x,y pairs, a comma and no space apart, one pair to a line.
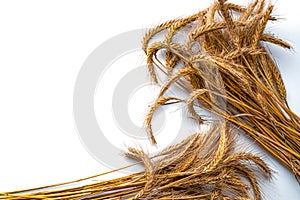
226,70
202,166
227,39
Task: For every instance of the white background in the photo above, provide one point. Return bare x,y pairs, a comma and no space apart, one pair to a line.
42,47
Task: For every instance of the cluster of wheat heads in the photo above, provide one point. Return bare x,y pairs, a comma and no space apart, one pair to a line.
232,39
220,61
202,166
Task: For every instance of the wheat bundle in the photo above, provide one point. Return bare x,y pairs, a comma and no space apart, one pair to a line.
230,38
226,69
202,166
